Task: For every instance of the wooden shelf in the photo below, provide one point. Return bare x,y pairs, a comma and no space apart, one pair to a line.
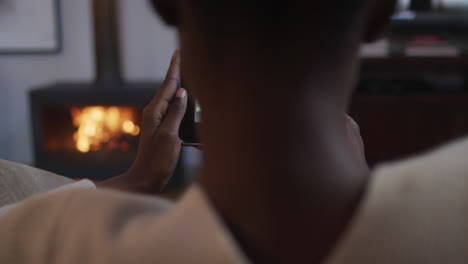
431,22
398,126
463,60
412,67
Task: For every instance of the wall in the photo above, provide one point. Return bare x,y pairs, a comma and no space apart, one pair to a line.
147,48
148,43
19,73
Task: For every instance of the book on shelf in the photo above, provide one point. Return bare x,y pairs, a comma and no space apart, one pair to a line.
430,46
379,49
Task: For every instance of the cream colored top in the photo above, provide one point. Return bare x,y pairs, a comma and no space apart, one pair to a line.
415,211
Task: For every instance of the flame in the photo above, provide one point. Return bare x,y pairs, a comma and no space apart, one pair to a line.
98,126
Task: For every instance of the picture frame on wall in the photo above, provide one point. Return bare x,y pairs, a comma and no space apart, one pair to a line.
29,26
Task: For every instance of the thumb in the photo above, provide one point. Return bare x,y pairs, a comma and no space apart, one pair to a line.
175,113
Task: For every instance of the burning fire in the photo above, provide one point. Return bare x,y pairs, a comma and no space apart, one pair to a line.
100,126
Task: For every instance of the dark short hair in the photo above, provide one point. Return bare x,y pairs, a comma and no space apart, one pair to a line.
272,24
270,19
274,13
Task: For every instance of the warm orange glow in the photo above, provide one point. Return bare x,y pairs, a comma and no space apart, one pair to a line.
99,125
128,126
136,131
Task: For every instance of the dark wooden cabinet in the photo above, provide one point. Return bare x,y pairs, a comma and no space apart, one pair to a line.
398,126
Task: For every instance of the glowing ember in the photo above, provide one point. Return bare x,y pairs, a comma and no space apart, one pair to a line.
100,127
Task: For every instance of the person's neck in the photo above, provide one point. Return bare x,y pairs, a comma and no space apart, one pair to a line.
278,168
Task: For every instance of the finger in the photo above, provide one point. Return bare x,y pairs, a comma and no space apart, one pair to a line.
156,109
169,87
175,113
174,69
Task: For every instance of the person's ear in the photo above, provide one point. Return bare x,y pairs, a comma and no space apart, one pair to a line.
168,10
378,16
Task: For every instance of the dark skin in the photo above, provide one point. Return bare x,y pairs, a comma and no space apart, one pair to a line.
277,164
159,145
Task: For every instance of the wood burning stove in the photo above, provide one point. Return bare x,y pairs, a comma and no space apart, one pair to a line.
55,113
90,130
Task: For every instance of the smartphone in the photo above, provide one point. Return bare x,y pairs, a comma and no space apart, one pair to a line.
189,131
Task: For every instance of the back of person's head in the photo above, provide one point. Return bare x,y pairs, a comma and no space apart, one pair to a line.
281,24
229,46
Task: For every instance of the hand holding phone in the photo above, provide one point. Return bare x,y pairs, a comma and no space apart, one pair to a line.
189,131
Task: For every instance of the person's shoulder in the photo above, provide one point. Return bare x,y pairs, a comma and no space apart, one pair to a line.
437,168
194,227
187,231
432,183
414,211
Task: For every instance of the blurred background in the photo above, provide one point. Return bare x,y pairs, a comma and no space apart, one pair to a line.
412,94
146,46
